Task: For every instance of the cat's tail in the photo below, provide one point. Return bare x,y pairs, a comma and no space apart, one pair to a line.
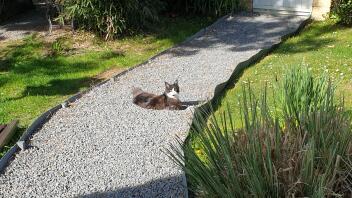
136,91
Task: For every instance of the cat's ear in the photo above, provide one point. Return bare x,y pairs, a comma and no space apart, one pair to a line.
167,85
176,82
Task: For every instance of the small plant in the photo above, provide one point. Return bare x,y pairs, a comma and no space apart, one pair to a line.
301,148
342,9
57,47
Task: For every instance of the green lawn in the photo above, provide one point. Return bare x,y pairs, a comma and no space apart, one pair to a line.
323,47
36,74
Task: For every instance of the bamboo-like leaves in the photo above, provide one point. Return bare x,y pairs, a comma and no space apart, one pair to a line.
304,151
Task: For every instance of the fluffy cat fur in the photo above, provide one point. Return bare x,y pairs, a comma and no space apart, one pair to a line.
168,100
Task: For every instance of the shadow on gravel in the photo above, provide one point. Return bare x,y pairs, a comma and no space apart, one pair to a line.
33,20
247,31
166,187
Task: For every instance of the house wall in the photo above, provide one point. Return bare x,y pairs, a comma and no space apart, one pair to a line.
321,8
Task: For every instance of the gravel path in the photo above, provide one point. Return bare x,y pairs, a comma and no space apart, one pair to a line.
106,146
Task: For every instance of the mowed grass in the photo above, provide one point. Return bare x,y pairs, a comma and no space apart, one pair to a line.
36,74
323,47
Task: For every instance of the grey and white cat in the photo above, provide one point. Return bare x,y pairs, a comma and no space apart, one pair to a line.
168,100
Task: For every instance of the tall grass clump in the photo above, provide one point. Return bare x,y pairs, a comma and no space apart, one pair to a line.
110,17
299,147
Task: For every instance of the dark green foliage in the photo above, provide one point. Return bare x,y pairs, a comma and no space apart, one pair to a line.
111,17
205,7
11,8
300,148
214,7
342,9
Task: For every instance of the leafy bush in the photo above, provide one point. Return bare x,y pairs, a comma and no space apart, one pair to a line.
343,10
205,7
303,148
110,17
215,7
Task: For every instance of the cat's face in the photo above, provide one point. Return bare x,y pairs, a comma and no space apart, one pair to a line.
172,90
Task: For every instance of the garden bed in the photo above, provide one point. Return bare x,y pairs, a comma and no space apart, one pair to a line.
322,47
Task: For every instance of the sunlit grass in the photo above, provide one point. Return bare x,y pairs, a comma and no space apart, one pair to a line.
323,47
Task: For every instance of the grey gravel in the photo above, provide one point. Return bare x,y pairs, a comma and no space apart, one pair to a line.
105,146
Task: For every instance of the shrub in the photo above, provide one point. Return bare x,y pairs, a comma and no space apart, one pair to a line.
56,48
111,17
343,10
300,149
214,7
205,7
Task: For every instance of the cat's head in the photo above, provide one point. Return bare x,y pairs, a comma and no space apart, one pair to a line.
172,90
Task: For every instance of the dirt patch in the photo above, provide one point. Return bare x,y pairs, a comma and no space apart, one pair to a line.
79,40
55,34
109,73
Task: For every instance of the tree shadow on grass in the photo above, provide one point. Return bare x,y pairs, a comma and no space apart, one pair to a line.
28,59
58,87
57,75
3,80
312,40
